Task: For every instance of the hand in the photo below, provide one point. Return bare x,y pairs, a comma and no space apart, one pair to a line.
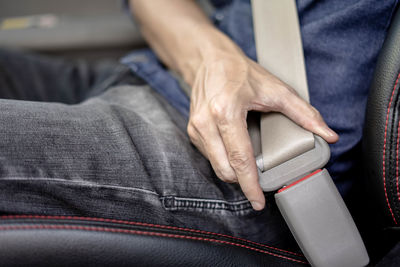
225,88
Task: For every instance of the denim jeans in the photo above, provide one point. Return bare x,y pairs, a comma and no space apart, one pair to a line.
94,140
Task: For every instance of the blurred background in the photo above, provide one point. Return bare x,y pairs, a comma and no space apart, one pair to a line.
89,29
71,28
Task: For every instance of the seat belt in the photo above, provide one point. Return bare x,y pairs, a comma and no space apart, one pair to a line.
282,55
291,156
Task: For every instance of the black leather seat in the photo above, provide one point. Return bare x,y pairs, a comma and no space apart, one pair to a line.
381,193
73,241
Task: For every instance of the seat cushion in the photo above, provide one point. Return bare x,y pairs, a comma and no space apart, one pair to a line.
81,241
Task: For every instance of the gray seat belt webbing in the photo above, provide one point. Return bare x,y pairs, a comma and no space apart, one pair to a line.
280,51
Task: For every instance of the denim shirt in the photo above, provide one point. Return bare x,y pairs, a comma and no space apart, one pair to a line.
341,41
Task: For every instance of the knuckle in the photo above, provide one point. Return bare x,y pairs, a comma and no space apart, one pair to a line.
191,131
315,118
226,176
315,114
198,122
217,108
279,103
222,168
239,160
279,99
226,179
286,96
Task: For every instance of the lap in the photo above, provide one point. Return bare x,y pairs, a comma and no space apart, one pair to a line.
124,154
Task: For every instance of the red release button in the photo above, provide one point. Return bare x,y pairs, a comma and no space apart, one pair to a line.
300,180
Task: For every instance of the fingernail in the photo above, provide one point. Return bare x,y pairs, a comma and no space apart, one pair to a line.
327,131
256,205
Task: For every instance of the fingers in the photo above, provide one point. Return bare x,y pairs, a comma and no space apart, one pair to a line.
274,95
281,98
306,116
206,137
240,155
226,143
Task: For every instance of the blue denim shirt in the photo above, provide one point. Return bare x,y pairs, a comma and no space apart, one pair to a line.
341,40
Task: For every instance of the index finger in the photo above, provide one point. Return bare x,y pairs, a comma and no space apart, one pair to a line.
240,155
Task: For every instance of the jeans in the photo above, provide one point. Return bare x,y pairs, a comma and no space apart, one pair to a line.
94,140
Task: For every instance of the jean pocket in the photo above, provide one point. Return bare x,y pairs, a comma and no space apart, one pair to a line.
174,203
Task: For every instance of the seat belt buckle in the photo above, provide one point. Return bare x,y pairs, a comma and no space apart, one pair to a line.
295,168
320,221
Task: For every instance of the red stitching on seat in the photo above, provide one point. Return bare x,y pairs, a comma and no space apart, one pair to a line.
140,224
127,231
397,161
384,150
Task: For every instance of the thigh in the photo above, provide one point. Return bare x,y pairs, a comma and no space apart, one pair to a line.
27,76
123,155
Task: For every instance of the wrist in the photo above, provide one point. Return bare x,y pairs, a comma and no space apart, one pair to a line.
210,46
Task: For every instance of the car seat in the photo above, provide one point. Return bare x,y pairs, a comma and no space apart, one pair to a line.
29,240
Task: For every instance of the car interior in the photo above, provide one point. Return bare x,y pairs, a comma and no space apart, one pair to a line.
100,29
